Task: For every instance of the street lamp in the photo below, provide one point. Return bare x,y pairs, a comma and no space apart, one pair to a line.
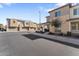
39,17
39,20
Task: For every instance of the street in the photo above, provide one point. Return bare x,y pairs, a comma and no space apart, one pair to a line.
16,44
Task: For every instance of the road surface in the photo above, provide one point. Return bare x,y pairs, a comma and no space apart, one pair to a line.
16,44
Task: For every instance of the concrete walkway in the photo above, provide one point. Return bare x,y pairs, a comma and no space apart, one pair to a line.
61,39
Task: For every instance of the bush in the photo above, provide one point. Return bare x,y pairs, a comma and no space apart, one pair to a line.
68,33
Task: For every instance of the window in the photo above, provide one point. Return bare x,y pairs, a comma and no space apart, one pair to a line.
26,23
14,21
73,26
57,13
76,11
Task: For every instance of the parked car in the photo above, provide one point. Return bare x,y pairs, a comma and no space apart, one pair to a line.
2,29
39,32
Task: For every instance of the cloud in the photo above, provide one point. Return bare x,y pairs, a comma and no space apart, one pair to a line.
49,9
40,8
1,6
8,4
60,4
5,4
44,9
56,6
75,4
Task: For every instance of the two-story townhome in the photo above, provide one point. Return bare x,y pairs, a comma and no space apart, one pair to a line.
1,26
74,19
20,25
58,19
64,19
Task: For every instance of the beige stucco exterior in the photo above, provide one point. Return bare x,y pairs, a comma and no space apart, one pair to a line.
71,12
74,19
65,14
14,25
67,19
42,27
1,26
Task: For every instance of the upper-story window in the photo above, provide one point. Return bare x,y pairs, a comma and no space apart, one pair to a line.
57,13
14,21
26,23
76,11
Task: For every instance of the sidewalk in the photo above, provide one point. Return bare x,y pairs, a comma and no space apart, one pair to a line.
61,39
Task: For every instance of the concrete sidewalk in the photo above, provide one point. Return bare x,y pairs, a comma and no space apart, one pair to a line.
61,39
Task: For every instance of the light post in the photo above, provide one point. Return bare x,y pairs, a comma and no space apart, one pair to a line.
39,20
39,17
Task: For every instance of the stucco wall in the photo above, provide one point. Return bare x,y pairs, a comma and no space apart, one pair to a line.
71,12
65,15
13,25
11,29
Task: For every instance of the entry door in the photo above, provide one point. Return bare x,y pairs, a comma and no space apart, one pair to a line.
18,28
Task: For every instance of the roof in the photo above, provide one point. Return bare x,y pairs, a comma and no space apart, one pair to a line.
14,19
21,20
1,24
73,19
47,16
69,4
76,5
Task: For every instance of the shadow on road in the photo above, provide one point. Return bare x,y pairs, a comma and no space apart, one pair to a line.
34,37
31,36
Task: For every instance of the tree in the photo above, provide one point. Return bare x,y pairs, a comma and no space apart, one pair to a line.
56,23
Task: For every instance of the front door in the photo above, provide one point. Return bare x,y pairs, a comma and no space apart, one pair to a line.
18,28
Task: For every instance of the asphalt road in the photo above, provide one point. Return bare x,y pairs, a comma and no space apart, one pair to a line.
15,44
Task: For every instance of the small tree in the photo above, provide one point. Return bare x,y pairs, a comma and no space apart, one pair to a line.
56,23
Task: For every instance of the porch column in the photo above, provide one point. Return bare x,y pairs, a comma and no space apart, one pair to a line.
69,26
77,26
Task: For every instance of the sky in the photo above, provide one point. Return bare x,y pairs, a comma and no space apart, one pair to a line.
26,11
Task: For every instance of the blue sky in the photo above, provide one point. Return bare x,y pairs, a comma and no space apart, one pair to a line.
25,11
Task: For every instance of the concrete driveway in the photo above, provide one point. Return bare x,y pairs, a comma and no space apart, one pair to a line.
16,44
